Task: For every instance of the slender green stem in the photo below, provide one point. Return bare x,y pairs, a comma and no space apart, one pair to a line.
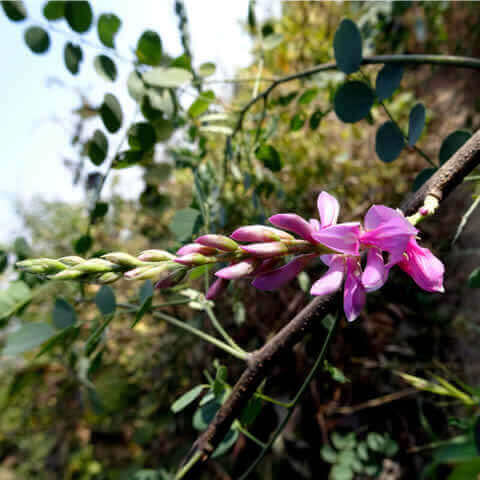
251,437
465,219
222,331
294,402
472,178
184,470
272,400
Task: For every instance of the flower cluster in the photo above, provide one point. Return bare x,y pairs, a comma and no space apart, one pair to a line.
385,239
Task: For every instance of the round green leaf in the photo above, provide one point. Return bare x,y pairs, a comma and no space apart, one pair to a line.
141,136
135,86
307,96
226,444
111,113
149,48
206,69
186,399
83,244
201,104
388,80
63,314
184,223
73,56
98,147
452,143
205,414
416,122
422,177
126,159
474,279
167,77
347,46
54,10
107,27
389,142
315,119
79,15
269,156
14,10
353,101
28,336
297,122
105,300
37,39
105,67
99,210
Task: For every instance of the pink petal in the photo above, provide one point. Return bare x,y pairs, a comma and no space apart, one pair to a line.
354,296
328,209
343,237
331,280
425,268
216,288
375,273
378,214
293,223
238,270
266,250
315,224
259,233
280,276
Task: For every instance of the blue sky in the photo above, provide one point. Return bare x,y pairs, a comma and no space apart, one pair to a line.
36,120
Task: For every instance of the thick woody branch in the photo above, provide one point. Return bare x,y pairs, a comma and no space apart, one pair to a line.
261,361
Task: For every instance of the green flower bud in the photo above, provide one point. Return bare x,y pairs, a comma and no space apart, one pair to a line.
95,265
155,256
69,274
123,259
109,277
71,260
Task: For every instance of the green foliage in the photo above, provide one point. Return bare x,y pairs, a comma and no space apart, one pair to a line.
452,143
73,56
388,80
270,157
37,39
416,123
353,101
185,223
389,142
187,398
108,26
54,10
83,244
13,298
111,113
105,67
28,336
141,136
167,77
474,279
105,300
206,69
149,48
347,45
63,315
79,15
98,147
422,177
145,298
15,10
201,104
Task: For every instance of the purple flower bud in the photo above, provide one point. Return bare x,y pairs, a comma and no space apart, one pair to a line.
196,248
155,256
216,288
238,270
259,233
218,241
423,211
294,223
275,249
195,259
172,278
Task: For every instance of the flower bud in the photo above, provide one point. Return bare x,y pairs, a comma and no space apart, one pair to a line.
155,256
196,248
275,249
218,241
160,271
71,260
123,259
260,233
69,274
109,277
238,270
95,265
41,265
172,279
216,288
195,259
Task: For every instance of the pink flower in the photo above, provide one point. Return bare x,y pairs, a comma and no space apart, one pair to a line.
424,267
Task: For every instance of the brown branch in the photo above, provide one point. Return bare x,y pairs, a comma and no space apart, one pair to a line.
261,361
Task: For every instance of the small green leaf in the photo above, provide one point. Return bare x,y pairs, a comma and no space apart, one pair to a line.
63,314
73,56
272,41
341,472
186,399
105,300
206,69
389,142
226,444
107,27
205,414
328,454
222,129
336,373
388,80
184,223
422,177
269,156
63,337
315,119
37,39
145,296
141,136
167,77
79,15
111,113
127,159
28,336
375,442
98,147
297,122
99,210
105,67
416,123
353,101
201,104
452,143
13,298
135,86
307,96
14,10
474,279
251,411
83,244
54,10
347,45
149,48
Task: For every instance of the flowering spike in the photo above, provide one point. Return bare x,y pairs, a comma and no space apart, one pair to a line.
155,256
259,233
218,241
